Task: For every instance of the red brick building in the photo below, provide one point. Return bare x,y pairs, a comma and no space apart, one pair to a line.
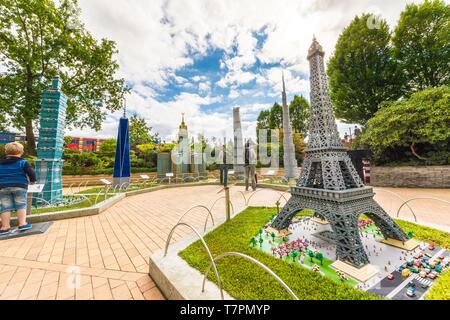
85,144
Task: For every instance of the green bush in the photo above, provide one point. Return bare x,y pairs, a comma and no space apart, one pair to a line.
244,280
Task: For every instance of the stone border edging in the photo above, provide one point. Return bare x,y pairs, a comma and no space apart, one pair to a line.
74,213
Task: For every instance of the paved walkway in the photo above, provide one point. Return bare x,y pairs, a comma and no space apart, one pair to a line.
106,256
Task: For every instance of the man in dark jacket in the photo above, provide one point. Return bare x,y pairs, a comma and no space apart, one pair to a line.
15,175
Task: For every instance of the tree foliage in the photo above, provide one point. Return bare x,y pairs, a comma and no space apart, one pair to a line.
299,110
140,132
276,117
362,72
422,44
40,40
423,119
108,147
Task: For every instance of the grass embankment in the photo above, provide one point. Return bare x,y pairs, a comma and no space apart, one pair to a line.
244,280
441,289
423,233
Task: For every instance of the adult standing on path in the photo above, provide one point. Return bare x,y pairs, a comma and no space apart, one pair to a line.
250,164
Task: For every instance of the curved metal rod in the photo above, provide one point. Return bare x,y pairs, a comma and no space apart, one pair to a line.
161,180
251,196
123,186
79,186
185,178
232,207
243,195
238,254
206,248
42,199
203,207
83,196
70,187
420,198
401,198
282,196
98,195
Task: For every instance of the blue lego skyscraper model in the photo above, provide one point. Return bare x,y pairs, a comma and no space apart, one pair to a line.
122,170
51,142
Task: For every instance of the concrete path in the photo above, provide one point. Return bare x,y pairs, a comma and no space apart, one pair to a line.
106,256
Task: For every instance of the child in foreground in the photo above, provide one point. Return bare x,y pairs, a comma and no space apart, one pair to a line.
15,175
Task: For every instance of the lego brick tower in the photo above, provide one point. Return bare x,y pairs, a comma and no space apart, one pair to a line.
329,183
51,142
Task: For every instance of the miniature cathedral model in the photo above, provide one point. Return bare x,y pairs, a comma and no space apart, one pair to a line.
329,184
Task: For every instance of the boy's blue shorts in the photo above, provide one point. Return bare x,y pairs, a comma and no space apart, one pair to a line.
12,199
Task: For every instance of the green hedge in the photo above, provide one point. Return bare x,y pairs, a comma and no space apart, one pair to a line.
244,280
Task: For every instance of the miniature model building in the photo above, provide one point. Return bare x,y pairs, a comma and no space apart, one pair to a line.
181,153
238,150
329,184
51,142
289,161
185,159
122,169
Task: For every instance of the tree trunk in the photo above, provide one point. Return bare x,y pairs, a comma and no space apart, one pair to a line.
413,150
31,139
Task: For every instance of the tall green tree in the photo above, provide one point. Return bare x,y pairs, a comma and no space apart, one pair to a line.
362,72
276,117
421,120
422,44
299,110
40,40
140,131
262,122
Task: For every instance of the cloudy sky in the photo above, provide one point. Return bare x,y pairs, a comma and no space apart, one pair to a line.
204,57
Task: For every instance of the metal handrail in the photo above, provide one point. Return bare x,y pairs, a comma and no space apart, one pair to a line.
267,269
204,245
420,198
401,198
203,207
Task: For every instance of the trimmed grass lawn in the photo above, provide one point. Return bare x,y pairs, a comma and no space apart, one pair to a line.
422,233
244,280
441,289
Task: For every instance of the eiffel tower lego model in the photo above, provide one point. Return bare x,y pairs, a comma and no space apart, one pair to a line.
329,184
